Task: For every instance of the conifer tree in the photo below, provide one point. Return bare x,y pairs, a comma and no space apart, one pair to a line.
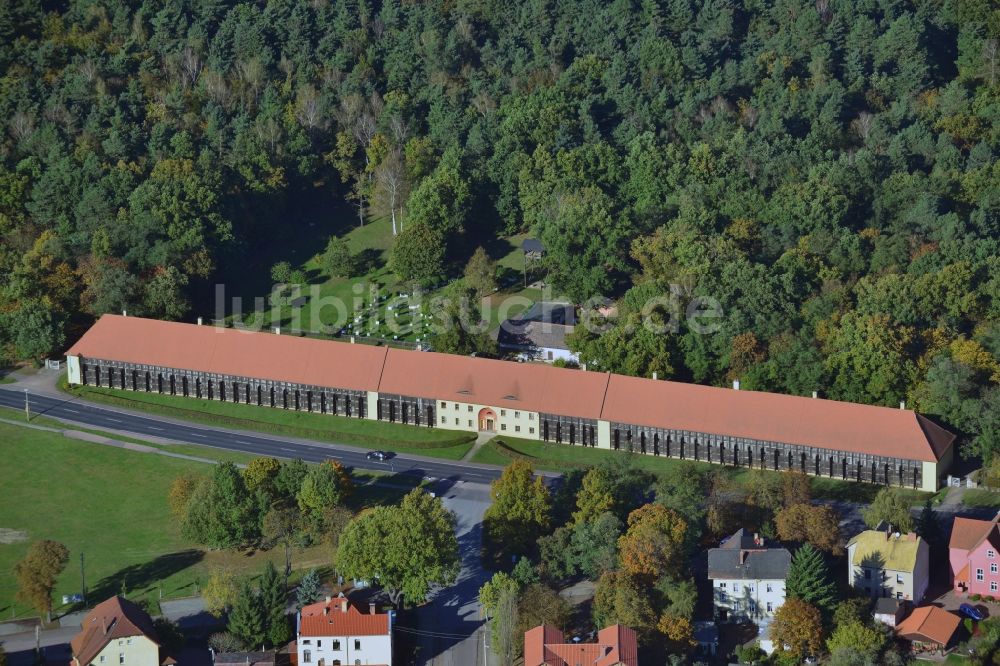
246,619
308,589
809,579
273,602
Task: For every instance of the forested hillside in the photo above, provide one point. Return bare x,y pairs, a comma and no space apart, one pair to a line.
826,169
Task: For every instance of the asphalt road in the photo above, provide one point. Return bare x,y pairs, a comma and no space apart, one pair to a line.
69,409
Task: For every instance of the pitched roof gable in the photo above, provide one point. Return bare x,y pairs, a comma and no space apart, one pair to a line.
968,533
110,620
929,624
339,617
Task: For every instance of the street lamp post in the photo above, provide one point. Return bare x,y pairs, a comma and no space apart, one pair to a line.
27,408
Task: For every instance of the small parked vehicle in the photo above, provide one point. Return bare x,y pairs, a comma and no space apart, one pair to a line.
971,612
381,456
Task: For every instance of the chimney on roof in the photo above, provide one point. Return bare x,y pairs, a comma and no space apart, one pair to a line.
343,605
371,607
277,330
736,385
124,313
326,610
328,598
902,404
654,375
743,557
199,321
815,394
757,540
352,339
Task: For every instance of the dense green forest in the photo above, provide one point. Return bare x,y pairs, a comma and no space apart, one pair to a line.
826,169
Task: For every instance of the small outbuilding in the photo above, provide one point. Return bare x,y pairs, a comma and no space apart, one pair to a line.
890,611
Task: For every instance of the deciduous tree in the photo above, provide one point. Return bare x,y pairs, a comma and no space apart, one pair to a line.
890,508
407,548
653,544
797,628
520,510
37,572
818,525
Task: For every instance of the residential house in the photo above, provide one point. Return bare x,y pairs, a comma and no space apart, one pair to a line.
748,578
118,632
335,631
929,628
883,563
616,645
540,333
973,556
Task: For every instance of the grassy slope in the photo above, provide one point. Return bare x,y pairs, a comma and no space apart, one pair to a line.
562,457
374,241
111,504
445,444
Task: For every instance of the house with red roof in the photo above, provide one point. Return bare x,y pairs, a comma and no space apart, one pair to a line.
335,631
929,628
117,631
616,646
974,556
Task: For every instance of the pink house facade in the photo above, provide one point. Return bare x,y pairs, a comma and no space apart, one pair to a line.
974,556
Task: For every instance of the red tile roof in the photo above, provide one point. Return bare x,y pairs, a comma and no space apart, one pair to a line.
339,617
929,624
544,646
232,352
968,533
531,387
110,620
829,424
839,426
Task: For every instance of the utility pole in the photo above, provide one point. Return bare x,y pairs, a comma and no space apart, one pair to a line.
27,409
83,580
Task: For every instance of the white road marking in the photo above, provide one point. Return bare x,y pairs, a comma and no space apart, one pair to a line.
155,428
71,411
112,420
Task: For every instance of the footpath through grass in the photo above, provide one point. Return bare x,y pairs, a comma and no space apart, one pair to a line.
434,442
563,458
111,505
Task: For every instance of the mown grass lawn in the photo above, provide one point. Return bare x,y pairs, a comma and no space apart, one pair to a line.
563,457
981,498
446,444
111,505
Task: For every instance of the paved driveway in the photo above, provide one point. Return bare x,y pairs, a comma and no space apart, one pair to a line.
451,630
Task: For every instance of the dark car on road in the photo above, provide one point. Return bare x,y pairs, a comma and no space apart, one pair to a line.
381,456
971,611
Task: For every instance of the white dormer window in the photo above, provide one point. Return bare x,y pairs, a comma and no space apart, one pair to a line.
991,553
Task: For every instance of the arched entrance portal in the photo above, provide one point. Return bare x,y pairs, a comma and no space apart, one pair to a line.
487,420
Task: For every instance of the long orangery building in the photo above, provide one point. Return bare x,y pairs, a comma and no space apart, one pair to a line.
572,407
